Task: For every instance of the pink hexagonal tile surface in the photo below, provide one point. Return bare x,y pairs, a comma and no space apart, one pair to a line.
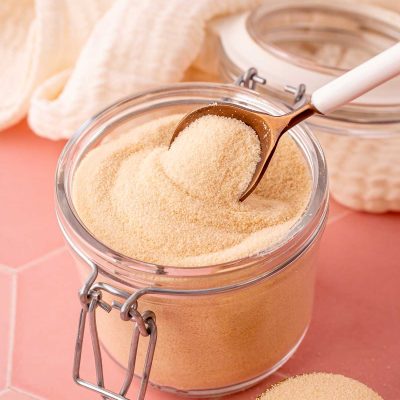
356,325
7,297
27,163
15,395
47,314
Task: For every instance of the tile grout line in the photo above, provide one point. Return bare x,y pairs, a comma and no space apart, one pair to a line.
26,393
42,258
4,391
340,216
281,374
11,339
7,269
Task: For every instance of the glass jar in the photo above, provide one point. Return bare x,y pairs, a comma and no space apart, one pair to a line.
219,328
298,47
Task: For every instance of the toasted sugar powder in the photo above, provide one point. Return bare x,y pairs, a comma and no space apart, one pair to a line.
180,206
320,386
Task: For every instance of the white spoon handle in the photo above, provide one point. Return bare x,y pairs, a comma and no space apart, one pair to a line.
358,81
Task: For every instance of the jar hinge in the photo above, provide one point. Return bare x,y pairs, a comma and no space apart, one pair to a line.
144,324
250,79
299,94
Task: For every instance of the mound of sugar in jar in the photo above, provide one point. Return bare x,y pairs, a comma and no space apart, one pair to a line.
180,205
320,386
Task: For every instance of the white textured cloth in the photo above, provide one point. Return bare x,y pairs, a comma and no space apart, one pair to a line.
62,61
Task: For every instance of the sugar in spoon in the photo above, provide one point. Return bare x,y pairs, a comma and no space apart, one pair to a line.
328,98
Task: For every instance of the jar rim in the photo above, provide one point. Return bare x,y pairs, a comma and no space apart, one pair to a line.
82,240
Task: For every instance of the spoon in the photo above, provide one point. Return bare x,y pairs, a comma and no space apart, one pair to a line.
324,100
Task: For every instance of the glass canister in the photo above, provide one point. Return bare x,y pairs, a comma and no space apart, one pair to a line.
300,46
214,329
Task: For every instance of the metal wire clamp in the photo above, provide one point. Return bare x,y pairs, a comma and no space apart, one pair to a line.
143,325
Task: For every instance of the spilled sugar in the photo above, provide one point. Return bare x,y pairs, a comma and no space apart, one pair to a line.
320,386
179,206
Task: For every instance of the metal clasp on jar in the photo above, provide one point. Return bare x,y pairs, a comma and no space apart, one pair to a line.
250,79
299,94
144,324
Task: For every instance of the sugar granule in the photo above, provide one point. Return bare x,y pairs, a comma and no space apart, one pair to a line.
180,206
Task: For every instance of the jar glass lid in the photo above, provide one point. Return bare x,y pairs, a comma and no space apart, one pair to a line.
311,43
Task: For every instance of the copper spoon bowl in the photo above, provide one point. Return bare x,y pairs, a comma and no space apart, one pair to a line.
269,129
